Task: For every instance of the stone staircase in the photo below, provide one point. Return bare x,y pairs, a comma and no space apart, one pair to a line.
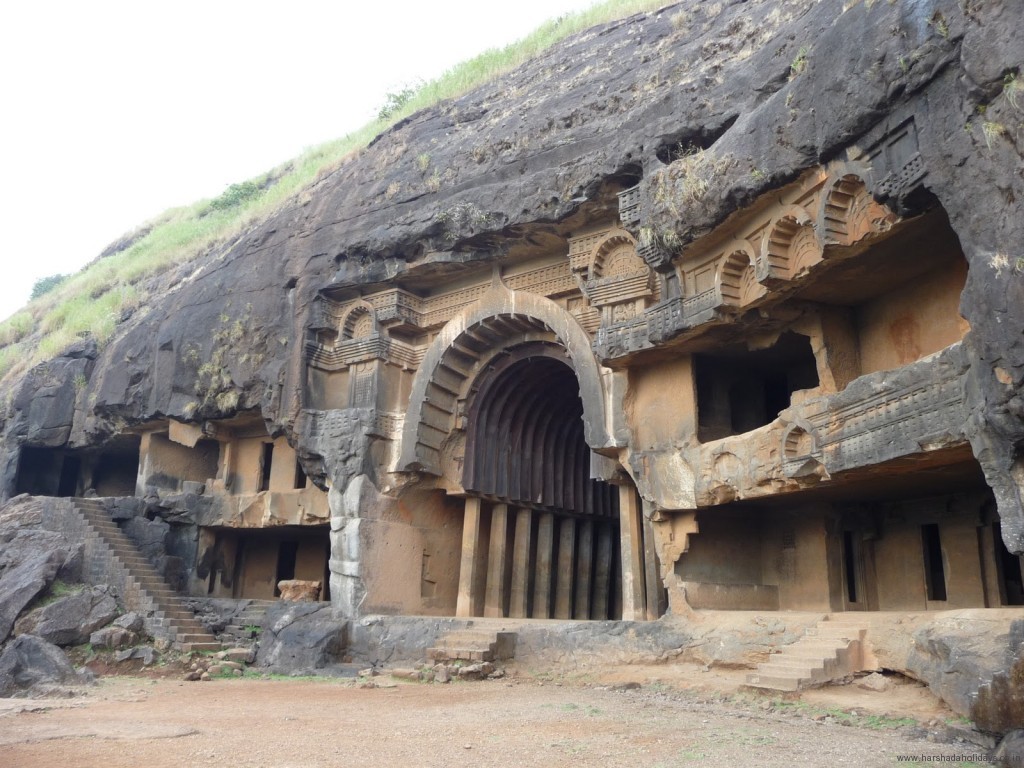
474,645
832,649
246,625
142,587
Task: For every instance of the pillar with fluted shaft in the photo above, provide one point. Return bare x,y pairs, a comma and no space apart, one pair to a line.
604,562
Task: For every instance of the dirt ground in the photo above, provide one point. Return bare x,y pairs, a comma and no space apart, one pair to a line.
678,715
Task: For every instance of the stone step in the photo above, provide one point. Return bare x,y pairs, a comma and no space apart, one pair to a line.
193,637
461,642
201,646
835,635
773,682
826,660
175,613
460,654
801,671
472,636
821,655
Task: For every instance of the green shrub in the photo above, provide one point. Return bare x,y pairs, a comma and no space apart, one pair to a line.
236,195
46,284
395,100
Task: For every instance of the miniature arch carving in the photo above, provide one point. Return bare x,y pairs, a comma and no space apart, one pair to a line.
359,322
616,255
799,441
790,245
737,276
848,212
448,371
801,454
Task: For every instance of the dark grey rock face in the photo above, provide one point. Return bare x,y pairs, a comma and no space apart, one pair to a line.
756,91
29,661
301,637
953,661
999,704
70,620
28,565
1010,751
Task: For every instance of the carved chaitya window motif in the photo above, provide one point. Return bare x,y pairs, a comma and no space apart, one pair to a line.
849,213
738,279
752,260
616,280
791,246
359,323
363,326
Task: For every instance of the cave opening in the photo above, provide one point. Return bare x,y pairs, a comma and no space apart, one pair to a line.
739,390
546,532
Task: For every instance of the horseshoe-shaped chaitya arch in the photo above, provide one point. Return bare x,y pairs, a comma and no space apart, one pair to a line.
451,364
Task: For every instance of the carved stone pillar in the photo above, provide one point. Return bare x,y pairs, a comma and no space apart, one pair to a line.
543,569
603,568
631,540
497,563
564,579
584,569
469,601
652,584
520,598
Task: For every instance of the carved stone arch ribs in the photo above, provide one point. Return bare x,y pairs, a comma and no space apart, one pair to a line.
478,348
615,255
790,247
533,389
360,322
848,213
737,277
453,361
541,539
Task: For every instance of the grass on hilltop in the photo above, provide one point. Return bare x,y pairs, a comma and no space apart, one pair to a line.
92,301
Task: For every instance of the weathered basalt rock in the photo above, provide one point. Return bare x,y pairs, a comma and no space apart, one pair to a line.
112,638
301,636
28,566
29,662
298,590
72,619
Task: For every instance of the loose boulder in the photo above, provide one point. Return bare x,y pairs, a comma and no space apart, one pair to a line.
130,621
301,636
29,661
112,638
70,620
22,583
1010,752
297,590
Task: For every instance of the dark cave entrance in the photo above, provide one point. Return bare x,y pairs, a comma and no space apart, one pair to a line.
541,535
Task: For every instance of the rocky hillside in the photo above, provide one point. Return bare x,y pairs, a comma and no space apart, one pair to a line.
705,105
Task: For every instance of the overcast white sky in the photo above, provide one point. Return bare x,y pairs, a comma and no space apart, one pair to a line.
112,112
